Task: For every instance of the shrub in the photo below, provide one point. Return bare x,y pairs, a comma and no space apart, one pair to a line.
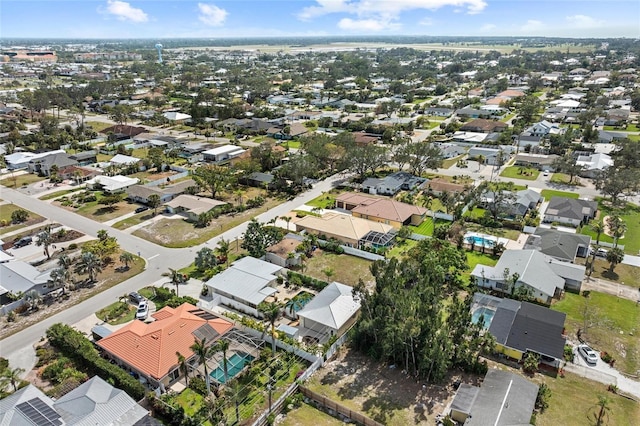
306,281
19,216
531,362
542,400
198,385
73,246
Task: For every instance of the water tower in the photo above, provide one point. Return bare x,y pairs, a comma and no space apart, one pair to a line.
159,49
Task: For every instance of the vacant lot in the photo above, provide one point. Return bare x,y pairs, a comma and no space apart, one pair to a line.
5,217
136,219
630,214
573,401
19,181
517,172
608,323
341,267
307,415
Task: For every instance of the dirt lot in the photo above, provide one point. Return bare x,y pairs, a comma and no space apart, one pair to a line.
386,394
341,267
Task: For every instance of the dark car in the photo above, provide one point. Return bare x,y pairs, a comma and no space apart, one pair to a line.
135,297
142,209
24,241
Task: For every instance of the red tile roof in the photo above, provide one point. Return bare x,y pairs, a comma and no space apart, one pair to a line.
151,348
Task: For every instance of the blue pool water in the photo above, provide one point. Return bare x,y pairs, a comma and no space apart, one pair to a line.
235,364
488,316
479,241
300,300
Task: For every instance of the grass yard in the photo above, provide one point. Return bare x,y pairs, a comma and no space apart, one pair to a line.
307,415
475,213
573,401
476,258
451,161
5,216
21,180
627,128
190,401
630,214
425,228
550,193
623,274
327,200
346,269
57,194
117,313
291,144
102,213
510,234
517,172
612,325
635,138
563,179
133,220
400,249
97,126
508,117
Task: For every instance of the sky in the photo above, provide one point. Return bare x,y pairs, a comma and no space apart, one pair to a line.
255,18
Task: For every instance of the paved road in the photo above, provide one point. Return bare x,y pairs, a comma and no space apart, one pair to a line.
19,347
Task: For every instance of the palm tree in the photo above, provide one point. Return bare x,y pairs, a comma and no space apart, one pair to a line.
603,406
183,367
223,346
126,258
176,278
89,264
45,239
59,278
598,228
286,219
12,375
223,249
619,233
271,312
298,302
203,351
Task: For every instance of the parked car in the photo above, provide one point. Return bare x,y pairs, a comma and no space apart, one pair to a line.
589,355
600,252
143,311
135,298
142,209
545,173
24,241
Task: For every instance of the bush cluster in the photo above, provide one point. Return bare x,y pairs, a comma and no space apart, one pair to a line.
298,279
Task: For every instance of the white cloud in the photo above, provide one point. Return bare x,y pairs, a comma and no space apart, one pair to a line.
211,14
377,14
531,26
366,25
125,12
487,28
426,22
584,21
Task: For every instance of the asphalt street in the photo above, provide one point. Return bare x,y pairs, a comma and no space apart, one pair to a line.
18,348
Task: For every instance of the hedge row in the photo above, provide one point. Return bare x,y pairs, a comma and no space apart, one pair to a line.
307,281
75,346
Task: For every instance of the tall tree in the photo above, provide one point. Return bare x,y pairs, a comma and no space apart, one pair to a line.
126,258
45,239
154,202
89,264
12,375
223,249
222,345
175,278
182,362
598,228
203,351
213,178
258,237
271,312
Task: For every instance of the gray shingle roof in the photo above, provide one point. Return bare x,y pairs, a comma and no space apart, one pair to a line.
571,208
332,307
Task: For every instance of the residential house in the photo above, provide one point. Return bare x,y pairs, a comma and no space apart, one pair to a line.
18,277
605,136
470,138
148,350
438,112
363,139
543,129
43,165
537,161
570,211
383,210
141,193
544,277
351,231
560,245
492,155
112,184
124,130
481,125
521,327
393,183
176,117
122,160
295,130
593,163
450,150
85,158
19,408
438,186
521,202
191,206
78,174
222,154
245,284
97,402
284,253
259,180
528,142
20,160
330,313
468,112
503,399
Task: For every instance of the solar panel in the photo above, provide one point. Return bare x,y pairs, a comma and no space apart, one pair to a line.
39,413
206,331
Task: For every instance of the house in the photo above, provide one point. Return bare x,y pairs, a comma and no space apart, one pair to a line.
284,253
543,129
544,277
469,137
122,160
450,150
21,160
351,231
112,184
19,408
527,142
605,136
438,186
295,130
570,211
363,139
387,185
481,125
43,165
383,210
503,399
149,349
18,277
560,245
191,206
97,402
78,174
492,155
222,154
468,112
245,284
85,158
330,313
259,180
176,117
526,199
141,193
124,129
537,161
593,163
438,112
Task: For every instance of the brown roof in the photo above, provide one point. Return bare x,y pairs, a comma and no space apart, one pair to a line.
442,185
383,208
151,348
284,247
362,138
346,226
510,94
482,124
124,129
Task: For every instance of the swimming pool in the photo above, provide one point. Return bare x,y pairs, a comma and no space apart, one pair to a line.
300,300
235,364
480,241
488,316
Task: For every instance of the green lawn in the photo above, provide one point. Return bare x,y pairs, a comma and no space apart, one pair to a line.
517,172
190,401
508,117
563,179
510,234
425,228
400,249
5,217
635,138
97,126
102,213
475,213
574,398
451,161
346,269
57,194
117,313
630,214
476,258
21,180
550,193
612,325
623,274
291,144
133,220
307,415
627,128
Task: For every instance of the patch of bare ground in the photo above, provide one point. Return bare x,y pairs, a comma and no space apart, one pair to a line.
385,393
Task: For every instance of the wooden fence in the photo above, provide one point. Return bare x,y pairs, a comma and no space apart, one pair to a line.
338,408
